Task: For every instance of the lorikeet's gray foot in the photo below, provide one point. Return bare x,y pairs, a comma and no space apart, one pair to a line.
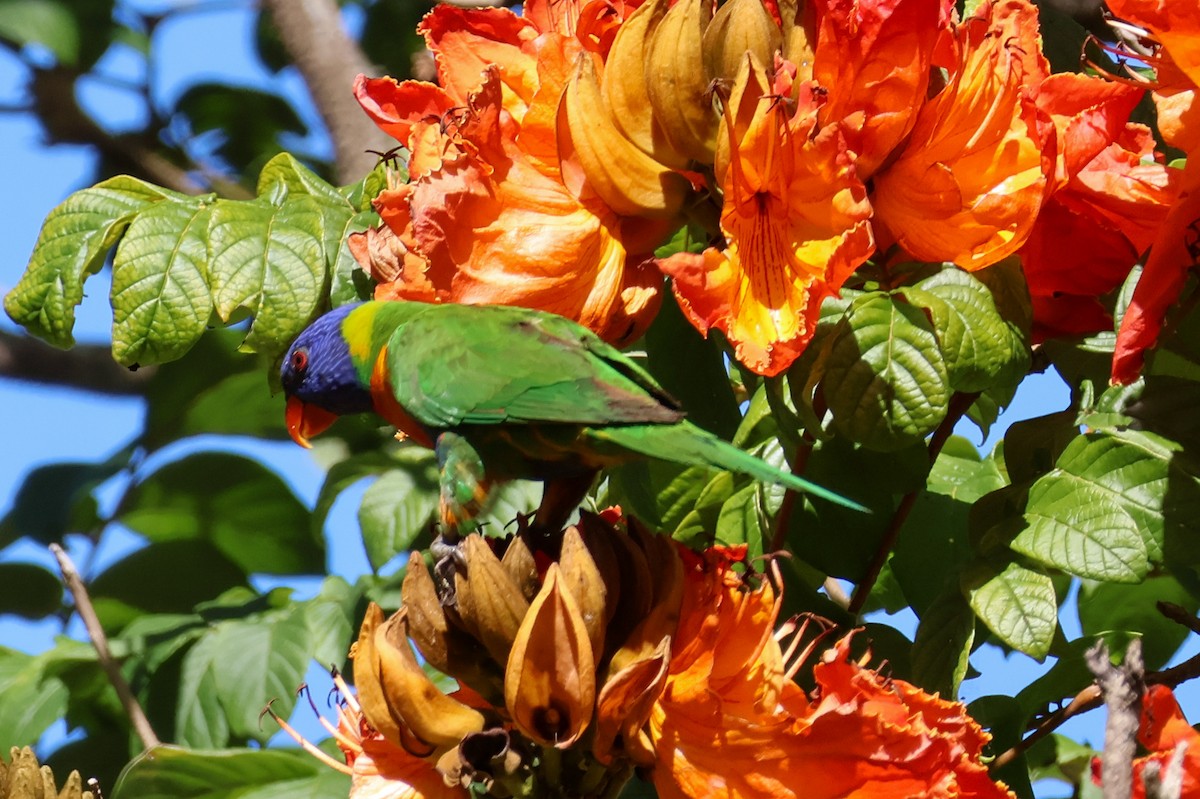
448,560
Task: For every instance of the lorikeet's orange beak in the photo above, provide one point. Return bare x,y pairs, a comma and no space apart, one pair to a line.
305,420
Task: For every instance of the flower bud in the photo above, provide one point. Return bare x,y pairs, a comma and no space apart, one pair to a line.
740,26
676,82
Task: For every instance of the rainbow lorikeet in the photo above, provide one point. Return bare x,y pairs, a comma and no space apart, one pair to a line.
499,393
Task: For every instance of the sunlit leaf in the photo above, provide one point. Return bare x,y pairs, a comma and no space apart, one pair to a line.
399,507
1017,604
160,297
73,243
1081,530
168,772
269,261
885,381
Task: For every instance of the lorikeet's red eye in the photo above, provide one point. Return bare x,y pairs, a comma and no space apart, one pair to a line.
299,360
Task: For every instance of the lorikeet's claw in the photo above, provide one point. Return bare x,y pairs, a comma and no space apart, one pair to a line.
448,560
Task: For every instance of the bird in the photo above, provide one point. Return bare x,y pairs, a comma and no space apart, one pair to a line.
499,393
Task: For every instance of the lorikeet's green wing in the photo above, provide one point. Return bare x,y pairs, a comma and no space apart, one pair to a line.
454,365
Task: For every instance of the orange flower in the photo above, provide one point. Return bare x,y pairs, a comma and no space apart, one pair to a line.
732,722
486,216
874,59
794,219
378,768
969,182
1163,731
1110,196
1176,26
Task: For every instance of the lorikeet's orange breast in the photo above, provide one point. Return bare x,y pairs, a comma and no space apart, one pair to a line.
391,410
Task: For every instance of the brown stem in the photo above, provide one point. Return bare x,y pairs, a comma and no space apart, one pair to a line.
1089,697
88,367
783,518
329,60
83,604
959,405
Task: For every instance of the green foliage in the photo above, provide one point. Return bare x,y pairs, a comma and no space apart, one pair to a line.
181,260
983,547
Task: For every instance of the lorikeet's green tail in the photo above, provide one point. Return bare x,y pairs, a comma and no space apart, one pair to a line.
684,442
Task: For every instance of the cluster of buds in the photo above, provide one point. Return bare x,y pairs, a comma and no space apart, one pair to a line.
22,777
559,662
631,653
629,133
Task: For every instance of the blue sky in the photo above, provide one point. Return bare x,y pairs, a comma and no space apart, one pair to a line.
52,424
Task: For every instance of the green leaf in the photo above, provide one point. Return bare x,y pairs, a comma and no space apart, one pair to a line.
249,120
1078,528
257,661
1032,446
284,176
943,644
50,24
237,504
164,577
329,631
269,261
348,282
29,701
1017,604
341,476
54,500
28,590
72,246
885,381
738,522
659,493
237,405
691,368
978,345
961,473
168,772
160,297
200,720
1104,607
1140,472
399,507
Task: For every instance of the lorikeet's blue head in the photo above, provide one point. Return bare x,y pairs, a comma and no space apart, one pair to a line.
319,378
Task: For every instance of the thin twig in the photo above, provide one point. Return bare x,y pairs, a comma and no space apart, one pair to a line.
1089,697
959,405
83,604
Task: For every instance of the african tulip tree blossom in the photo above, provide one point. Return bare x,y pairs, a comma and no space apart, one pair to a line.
1167,735
485,216
795,224
1176,27
731,721
1109,197
967,185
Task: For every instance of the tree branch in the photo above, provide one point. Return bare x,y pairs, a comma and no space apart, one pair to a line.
83,604
1089,697
959,405
89,367
1122,688
329,60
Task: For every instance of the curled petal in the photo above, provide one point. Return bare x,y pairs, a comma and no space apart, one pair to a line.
968,184
397,696
875,59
